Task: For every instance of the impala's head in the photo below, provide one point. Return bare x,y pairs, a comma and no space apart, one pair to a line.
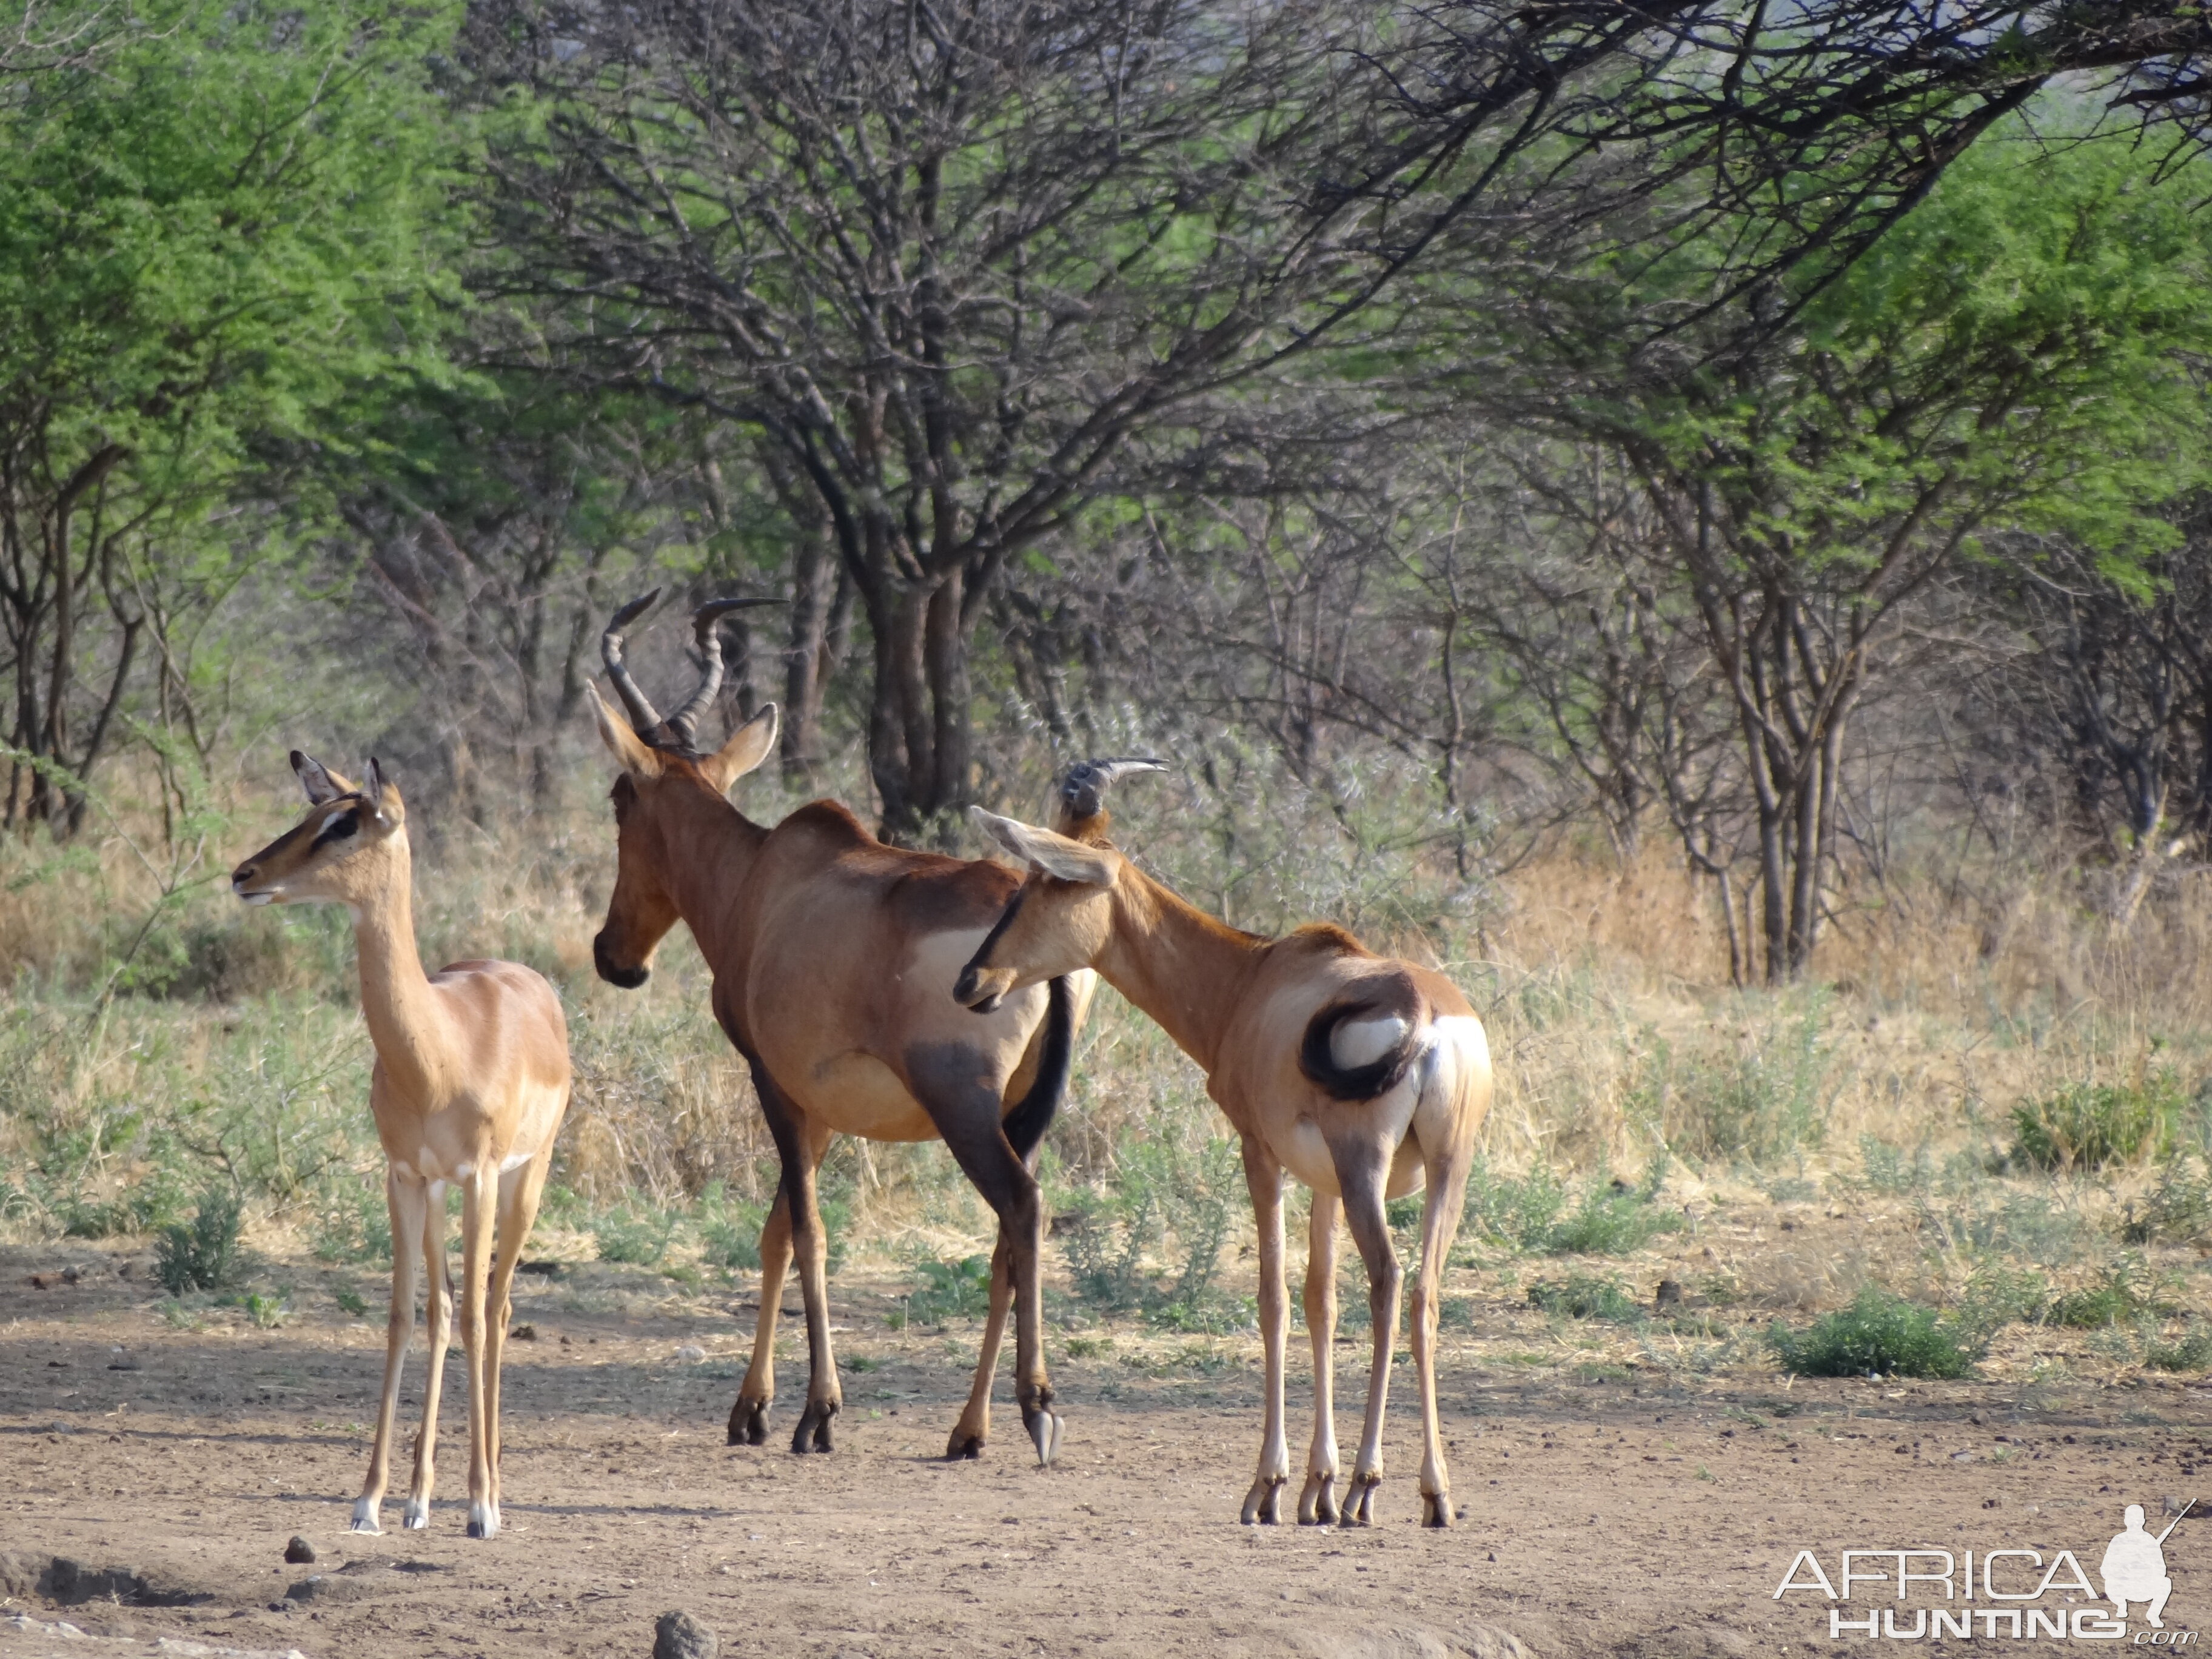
1058,920
660,765
342,852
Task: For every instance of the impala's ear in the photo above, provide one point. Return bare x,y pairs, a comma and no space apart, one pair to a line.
749,745
382,794
632,751
1042,849
323,786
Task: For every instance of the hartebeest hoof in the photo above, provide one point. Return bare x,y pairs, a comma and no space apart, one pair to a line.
747,1422
812,1433
1044,1427
1436,1509
1263,1504
1317,1503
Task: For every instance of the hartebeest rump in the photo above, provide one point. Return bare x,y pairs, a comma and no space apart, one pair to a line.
470,1086
833,956
1361,1075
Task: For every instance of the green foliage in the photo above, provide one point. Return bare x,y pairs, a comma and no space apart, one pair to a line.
350,1302
1766,1101
1161,1195
2176,1211
1537,1211
2126,1292
267,1312
730,1231
950,1290
1879,1334
1887,1170
352,1224
201,1255
2086,1126
2191,1351
1580,1296
636,1235
1998,1296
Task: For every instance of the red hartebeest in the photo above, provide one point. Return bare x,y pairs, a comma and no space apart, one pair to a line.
833,956
1361,1075
470,1086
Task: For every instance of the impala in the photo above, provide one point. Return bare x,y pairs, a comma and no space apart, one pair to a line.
832,956
470,1086
1361,1075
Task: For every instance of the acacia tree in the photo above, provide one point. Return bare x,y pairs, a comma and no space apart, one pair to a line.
212,232
2011,356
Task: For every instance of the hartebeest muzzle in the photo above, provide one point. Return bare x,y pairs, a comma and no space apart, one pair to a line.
613,972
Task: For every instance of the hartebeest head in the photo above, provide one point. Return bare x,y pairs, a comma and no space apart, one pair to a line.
342,852
658,757
1058,920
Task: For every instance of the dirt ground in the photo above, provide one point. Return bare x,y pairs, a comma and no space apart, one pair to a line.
1644,1515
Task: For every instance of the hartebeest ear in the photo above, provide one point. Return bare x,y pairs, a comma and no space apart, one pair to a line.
632,751
1042,849
749,745
323,786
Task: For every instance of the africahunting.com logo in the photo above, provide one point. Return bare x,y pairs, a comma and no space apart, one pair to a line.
1932,1594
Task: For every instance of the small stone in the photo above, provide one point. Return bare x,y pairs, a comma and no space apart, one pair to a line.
524,1333
690,1354
299,1552
677,1635
1669,1295
122,1359
2176,1505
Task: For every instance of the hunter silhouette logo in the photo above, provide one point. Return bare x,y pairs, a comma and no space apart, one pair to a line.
2015,1592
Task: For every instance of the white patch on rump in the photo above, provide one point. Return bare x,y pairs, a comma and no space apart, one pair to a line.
1359,1043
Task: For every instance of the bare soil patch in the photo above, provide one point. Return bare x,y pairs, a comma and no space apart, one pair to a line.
1646,1514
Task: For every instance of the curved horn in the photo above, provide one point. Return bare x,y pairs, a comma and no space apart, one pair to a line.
643,717
705,628
1083,789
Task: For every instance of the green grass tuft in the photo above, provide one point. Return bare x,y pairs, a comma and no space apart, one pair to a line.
1879,1334
1580,1296
202,1253
2089,1125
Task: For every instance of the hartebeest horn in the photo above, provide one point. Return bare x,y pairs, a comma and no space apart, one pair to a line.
1082,788
643,717
705,628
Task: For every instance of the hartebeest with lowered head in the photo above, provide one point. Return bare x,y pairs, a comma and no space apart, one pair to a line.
833,957
1361,1075
470,1086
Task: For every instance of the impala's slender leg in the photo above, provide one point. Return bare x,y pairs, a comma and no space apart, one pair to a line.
965,1110
1317,1503
405,1197
1446,1185
1264,1177
479,1217
973,1428
519,1192
1362,1172
438,1316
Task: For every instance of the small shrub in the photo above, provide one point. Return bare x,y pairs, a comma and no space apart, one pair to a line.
634,1235
1998,1296
729,1235
1513,1212
2191,1351
350,1302
1582,1297
2089,1125
353,1224
202,1253
1161,1195
950,1289
2177,1210
1613,1218
1879,1332
2126,1293
1886,1168
267,1311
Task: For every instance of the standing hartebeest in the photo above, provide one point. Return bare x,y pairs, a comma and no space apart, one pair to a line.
833,956
470,1086
1359,1074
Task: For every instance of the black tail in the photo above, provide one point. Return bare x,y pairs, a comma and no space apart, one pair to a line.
1316,1052
1026,1124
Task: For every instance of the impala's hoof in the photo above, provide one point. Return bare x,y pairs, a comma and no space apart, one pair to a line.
483,1520
1317,1503
812,1434
968,1447
416,1517
1436,1509
1263,1504
364,1516
1359,1511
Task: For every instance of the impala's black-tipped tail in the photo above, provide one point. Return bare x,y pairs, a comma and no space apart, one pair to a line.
1349,1052
1026,1124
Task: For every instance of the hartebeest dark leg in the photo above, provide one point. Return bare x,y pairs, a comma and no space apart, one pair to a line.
965,1107
795,1149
